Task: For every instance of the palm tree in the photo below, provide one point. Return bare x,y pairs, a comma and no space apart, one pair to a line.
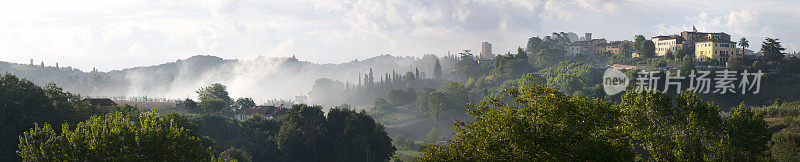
744,44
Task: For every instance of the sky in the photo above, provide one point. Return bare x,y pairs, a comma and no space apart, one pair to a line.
112,35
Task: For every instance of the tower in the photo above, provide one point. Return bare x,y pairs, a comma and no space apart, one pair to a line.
587,37
486,51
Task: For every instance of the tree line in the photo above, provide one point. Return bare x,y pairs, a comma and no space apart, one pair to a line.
45,124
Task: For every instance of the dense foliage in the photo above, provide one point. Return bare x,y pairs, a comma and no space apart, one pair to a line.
22,104
540,123
537,104
305,134
537,123
114,137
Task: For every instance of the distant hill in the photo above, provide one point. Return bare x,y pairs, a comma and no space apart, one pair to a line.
262,78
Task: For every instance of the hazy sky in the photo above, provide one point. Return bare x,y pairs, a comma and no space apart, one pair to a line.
117,34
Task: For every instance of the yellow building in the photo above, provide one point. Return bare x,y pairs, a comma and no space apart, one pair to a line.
716,50
613,49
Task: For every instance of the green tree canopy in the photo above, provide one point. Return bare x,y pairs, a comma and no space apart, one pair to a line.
537,123
748,136
327,91
437,69
688,128
785,146
257,138
23,103
772,50
573,77
512,66
356,133
238,155
243,103
114,137
215,91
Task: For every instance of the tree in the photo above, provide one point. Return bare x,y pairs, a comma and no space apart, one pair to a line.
218,128
759,65
687,52
645,48
748,136
512,66
436,105
433,136
648,49
327,91
573,77
356,133
626,49
526,80
792,65
734,64
416,73
687,65
213,105
244,103
537,124
189,104
785,146
371,78
114,137
382,106
772,50
235,154
680,54
302,131
215,91
257,138
437,69
669,55
402,97
22,104
534,44
467,65
744,43
688,130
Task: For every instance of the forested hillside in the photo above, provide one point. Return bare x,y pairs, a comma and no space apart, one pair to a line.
287,77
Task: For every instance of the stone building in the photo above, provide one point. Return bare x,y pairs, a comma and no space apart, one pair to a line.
486,51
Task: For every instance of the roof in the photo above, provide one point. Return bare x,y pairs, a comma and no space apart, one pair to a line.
704,32
678,39
100,102
716,41
615,43
664,36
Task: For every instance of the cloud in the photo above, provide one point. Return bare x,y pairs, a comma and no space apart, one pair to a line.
87,33
565,10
